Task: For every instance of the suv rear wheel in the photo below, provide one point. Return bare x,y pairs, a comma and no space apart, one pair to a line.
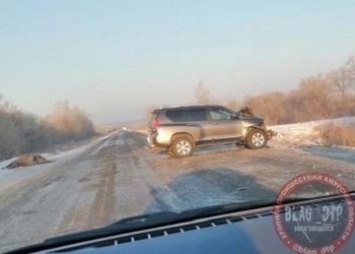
182,146
256,139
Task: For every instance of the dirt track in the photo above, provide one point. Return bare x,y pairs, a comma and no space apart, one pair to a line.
117,178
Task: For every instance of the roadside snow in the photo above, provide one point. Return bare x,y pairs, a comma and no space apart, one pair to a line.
11,177
304,133
3,164
303,137
73,152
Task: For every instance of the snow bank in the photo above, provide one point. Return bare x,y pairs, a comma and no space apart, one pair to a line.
305,133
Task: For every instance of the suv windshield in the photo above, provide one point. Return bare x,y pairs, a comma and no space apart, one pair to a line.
116,109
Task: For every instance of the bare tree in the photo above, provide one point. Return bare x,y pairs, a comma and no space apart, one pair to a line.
72,121
312,100
22,132
5,105
268,105
316,97
202,94
342,79
232,104
350,65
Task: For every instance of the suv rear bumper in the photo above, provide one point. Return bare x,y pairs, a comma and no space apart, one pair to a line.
158,138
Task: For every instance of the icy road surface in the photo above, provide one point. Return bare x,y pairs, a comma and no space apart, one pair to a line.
115,177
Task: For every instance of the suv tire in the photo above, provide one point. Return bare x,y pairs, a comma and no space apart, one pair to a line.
256,139
182,146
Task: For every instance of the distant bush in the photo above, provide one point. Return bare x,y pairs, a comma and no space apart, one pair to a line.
337,134
22,132
70,122
327,95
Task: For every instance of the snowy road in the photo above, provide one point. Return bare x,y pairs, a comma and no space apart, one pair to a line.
115,177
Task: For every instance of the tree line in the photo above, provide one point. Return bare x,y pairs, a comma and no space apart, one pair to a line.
326,95
22,132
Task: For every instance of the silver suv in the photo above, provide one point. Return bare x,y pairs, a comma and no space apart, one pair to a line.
181,129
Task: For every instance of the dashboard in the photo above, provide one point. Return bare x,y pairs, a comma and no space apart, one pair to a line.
251,231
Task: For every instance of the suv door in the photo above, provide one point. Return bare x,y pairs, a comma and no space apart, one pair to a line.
195,120
223,124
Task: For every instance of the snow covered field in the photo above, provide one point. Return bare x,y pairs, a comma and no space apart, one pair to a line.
304,137
305,133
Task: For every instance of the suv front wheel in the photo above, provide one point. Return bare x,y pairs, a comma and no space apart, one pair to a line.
256,139
182,146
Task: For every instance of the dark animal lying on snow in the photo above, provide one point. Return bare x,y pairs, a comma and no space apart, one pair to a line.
27,160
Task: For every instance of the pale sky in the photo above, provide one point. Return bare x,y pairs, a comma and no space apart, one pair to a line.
115,58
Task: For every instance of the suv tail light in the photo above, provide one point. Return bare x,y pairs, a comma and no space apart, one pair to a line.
155,123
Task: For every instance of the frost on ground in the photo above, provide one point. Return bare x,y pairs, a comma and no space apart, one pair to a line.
11,177
305,133
305,137
115,177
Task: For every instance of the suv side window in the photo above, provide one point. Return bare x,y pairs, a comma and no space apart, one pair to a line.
175,115
216,114
198,114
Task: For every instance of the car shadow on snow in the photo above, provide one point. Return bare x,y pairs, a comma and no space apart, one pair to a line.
207,187
337,153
